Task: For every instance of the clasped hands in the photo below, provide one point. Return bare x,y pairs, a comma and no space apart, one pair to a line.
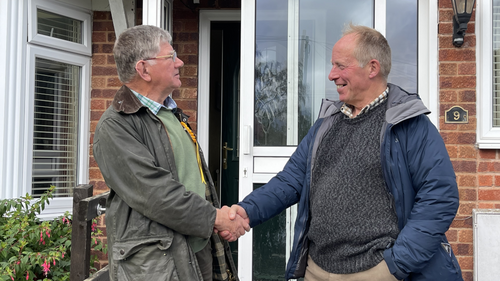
231,223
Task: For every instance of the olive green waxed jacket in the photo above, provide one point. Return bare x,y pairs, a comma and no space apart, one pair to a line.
149,213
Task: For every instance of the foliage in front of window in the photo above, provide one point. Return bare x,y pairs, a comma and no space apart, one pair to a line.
31,249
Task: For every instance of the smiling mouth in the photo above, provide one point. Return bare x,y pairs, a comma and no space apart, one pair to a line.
340,86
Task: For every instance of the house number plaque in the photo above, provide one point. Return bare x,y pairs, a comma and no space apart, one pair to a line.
456,114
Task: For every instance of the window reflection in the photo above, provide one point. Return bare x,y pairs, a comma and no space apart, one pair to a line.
320,24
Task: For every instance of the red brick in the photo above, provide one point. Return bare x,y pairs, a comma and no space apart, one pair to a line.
465,262
497,180
447,126
445,28
187,105
448,96
93,125
96,104
467,194
465,235
103,26
107,48
486,166
465,209
189,82
467,138
489,194
467,68
471,126
111,37
464,166
111,59
466,152
98,59
485,180
109,93
95,93
114,82
487,153
455,82
98,82
452,235
98,37
464,250
445,15
487,205
467,180
457,54
467,275
452,151
95,174
104,71
96,115
189,71
467,96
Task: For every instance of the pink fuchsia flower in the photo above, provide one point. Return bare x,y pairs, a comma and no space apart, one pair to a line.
27,275
46,268
63,255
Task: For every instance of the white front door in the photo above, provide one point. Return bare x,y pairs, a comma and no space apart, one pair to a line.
285,60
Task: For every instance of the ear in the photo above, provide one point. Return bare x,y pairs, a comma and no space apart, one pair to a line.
374,68
142,69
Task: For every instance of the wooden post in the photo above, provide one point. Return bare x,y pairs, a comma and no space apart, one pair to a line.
80,236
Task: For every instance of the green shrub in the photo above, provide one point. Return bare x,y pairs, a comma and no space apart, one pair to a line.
31,249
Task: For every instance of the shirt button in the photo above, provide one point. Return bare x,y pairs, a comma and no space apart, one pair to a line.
122,252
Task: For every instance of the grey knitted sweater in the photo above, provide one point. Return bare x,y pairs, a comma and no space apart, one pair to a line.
352,214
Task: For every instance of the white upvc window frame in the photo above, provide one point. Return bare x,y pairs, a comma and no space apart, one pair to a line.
58,205
85,48
488,137
16,96
152,14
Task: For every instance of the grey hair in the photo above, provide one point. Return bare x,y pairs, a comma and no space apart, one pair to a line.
137,43
371,44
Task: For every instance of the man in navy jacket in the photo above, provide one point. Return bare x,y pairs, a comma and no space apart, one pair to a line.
375,185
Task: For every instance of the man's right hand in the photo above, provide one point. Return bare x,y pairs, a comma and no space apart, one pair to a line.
229,225
235,213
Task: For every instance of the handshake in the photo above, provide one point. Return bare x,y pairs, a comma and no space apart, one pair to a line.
231,223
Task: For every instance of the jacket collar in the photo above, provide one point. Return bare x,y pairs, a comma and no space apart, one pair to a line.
126,102
401,105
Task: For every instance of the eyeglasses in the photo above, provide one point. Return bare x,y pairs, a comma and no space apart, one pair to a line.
173,56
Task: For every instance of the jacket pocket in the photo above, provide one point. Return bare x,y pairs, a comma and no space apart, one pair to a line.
148,259
443,266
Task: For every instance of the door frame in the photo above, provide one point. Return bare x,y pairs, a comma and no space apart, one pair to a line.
203,120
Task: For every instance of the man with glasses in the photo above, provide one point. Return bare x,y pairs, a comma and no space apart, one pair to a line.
162,212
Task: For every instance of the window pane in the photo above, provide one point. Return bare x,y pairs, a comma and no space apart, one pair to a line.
57,88
269,248
402,35
320,24
496,63
58,26
271,72
320,27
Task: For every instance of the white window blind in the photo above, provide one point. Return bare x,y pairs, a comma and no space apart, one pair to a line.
55,142
496,63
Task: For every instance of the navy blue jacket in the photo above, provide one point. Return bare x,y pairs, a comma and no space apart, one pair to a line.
418,173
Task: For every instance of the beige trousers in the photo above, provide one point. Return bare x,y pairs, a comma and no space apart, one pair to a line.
378,273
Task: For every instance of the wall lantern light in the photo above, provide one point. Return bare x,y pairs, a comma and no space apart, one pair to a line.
462,10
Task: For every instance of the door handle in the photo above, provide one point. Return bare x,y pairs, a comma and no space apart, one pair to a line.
224,155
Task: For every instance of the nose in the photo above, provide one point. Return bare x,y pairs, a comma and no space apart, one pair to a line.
178,63
333,75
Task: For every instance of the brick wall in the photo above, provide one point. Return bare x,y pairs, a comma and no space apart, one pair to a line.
476,170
